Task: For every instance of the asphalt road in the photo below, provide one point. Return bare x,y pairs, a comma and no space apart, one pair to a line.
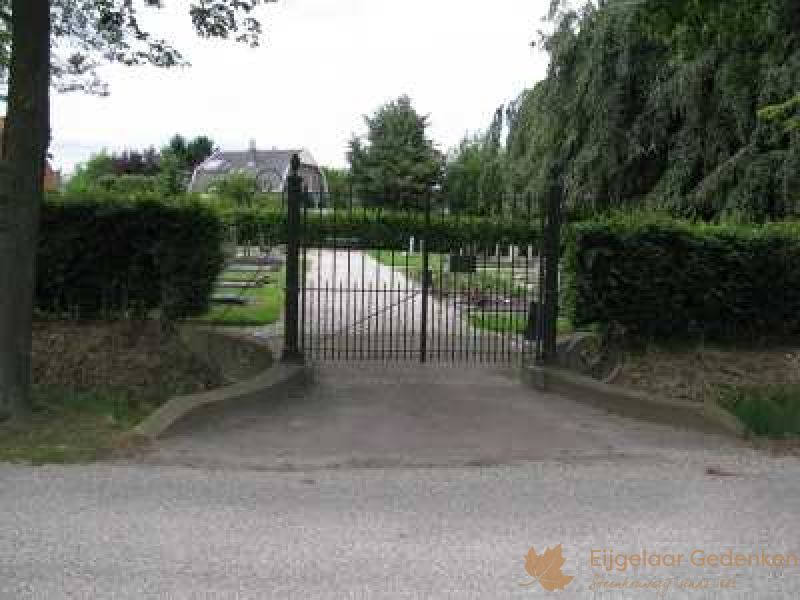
133,531
393,483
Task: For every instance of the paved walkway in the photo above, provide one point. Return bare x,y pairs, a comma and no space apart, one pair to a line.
371,415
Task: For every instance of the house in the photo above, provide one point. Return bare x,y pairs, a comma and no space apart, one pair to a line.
52,179
270,168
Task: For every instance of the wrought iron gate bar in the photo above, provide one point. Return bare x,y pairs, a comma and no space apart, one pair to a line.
438,299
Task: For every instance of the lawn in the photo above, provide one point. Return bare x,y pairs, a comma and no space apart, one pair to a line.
265,303
72,427
770,411
510,323
492,279
94,382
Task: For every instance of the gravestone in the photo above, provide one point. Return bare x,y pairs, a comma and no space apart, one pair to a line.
463,263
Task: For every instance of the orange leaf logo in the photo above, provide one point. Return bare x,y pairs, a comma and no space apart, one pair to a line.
546,569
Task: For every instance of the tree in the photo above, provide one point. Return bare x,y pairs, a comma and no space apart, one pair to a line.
87,175
199,149
147,171
462,175
133,162
179,159
652,107
36,41
239,188
339,185
190,153
399,165
22,169
477,178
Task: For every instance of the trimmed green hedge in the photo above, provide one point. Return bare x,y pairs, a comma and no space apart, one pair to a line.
384,229
100,259
671,280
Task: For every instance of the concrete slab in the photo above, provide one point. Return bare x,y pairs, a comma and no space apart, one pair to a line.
368,415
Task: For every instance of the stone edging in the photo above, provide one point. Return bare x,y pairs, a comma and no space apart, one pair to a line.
262,384
707,417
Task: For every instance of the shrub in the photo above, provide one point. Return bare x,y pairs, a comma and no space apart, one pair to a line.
99,259
375,228
664,279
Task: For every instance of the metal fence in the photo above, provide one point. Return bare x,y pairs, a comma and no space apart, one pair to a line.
374,280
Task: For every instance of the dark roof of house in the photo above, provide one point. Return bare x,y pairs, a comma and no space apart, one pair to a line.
270,167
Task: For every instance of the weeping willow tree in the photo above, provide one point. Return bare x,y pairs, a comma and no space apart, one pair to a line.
685,105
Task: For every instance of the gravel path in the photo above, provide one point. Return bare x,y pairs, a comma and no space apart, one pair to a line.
357,306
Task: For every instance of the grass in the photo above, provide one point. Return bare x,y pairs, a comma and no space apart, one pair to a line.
769,411
254,276
491,279
399,260
71,427
510,323
264,308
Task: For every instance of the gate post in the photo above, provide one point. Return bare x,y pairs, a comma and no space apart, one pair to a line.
291,335
552,258
426,282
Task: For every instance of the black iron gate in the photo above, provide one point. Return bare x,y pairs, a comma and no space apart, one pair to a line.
420,281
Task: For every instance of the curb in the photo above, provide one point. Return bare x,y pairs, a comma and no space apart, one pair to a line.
706,417
178,407
270,378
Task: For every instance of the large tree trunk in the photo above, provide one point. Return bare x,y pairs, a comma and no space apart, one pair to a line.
22,168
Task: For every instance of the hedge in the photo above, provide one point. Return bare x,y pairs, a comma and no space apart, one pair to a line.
104,259
674,280
373,228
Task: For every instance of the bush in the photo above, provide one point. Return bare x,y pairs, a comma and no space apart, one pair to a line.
99,259
375,228
664,279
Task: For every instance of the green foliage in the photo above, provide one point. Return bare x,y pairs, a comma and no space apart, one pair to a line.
173,178
786,113
131,187
70,426
339,185
655,104
86,34
374,228
265,304
399,163
237,188
179,159
476,174
86,176
107,259
670,280
771,411
462,177
134,162
190,152
134,175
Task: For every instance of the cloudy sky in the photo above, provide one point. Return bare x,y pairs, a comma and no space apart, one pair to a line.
323,65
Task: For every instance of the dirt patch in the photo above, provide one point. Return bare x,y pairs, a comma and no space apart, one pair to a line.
697,374
139,358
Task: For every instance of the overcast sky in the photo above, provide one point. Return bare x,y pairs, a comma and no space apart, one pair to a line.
322,66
